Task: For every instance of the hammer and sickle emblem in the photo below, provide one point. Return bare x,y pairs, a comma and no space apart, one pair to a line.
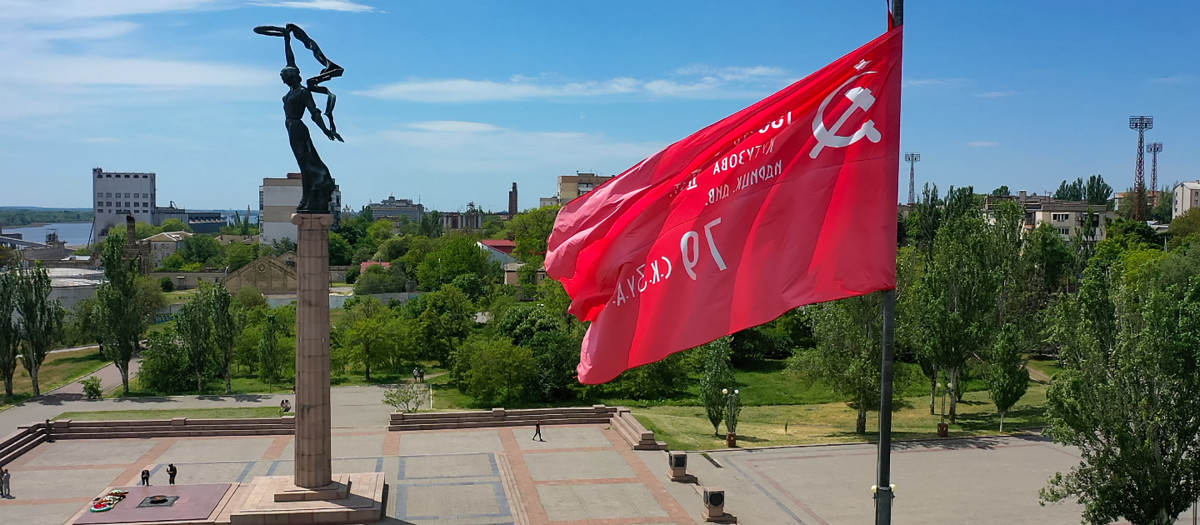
860,98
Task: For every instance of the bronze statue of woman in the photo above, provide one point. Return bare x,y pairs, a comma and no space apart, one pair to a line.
317,183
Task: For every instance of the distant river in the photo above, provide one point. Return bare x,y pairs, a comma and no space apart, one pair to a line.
73,233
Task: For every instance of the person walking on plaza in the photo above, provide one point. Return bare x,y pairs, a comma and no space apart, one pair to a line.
171,472
145,477
537,431
5,488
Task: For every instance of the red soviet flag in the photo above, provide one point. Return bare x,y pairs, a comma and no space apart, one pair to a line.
788,202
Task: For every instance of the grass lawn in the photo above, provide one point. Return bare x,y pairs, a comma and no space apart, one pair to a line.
180,296
199,413
687,428
57,370
1045,365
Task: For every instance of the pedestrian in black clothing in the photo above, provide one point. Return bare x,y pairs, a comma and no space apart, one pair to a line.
145,478
171,472
537,431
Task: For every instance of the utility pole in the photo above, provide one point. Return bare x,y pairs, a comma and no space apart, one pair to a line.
911,159
1154,148
1141,123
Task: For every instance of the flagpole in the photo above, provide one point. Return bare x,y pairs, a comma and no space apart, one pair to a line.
883,488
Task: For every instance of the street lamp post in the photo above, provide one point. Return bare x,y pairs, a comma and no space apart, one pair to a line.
731,399
943,430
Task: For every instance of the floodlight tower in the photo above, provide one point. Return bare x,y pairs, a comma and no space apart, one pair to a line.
1154,148
912,159
1141,123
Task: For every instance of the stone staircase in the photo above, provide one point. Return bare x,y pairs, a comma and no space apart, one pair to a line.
21,441
177,427
619,418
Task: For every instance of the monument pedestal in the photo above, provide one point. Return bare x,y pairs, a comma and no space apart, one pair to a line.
314,494
353,498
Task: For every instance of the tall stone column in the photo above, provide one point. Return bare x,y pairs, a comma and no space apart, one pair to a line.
313,466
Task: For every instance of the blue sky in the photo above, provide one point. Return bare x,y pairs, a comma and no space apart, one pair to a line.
453,101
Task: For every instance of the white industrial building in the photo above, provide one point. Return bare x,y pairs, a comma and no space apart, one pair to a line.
277,201
1185,197
116,195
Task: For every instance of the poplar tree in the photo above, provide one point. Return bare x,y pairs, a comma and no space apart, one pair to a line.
717,375
10,331
41,319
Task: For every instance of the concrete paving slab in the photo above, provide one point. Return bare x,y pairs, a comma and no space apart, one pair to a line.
204,473
216,449
45,514
87,452
448,466
417,443
284,467
57,484
451,500
551,466
558,437
599,502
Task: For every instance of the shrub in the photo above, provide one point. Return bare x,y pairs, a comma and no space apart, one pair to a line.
91,388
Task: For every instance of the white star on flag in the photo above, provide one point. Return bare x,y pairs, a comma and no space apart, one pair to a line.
861,64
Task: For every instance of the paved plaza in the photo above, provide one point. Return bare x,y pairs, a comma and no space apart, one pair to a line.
579,474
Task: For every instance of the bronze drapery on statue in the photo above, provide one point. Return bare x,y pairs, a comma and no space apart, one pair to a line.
318,184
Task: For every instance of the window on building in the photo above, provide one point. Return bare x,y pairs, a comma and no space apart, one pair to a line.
108,194
1059,217
136,176
145,205
107,175
99,194
98,210
1064,231
108,203
126,195
98,176
136,195
127,175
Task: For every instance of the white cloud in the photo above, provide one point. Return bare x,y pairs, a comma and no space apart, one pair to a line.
983,143
1174,79
77,9
995,94
99,70
732,73
323,5
473,148
519,88
922,82
453,126
695,81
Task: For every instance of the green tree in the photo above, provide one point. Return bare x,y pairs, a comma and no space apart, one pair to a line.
340,250
457,254
447,319
201,249
847,357
165,367
227,322
498,369
1129,392
924,220
120,319
238,254
370,334
555,355
1071,191
1097,192
10,330
1002,191
174,225
194,326
270,353
1187,223
1006,375
530,231
958,298
717,375
41,319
